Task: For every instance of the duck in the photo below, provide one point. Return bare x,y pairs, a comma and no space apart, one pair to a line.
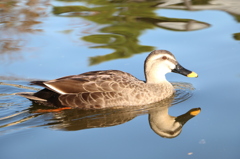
111,88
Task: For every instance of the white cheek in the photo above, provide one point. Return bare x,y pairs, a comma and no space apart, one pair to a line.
171,66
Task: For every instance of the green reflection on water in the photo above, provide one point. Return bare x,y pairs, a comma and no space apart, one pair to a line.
123,24
236,36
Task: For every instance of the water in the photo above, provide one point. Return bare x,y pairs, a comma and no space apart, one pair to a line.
50,39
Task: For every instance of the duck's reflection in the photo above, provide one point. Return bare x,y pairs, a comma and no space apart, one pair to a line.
160,121
169,126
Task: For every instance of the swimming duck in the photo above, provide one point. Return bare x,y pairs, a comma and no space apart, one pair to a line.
111,88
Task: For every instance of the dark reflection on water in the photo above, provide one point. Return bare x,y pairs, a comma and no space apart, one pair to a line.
71,120
17,19
123,23
236,36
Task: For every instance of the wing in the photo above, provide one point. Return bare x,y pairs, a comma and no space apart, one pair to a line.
95,81
86,100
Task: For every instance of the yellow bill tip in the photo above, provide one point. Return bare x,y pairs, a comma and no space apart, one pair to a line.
192,74
195,112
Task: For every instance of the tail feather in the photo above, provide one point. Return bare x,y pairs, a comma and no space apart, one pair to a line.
39,83
43,97
30,95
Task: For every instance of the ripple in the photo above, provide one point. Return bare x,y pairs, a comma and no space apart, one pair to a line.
183,91
81,13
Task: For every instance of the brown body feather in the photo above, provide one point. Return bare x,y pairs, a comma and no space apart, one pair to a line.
97,89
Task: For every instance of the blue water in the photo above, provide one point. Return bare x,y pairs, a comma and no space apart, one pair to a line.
65,44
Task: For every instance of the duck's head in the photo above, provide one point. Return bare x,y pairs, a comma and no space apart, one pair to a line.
160,62
169,126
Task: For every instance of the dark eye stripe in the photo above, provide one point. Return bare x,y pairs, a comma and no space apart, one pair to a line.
169,59
173,61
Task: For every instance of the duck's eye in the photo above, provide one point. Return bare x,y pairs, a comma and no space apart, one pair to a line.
164,57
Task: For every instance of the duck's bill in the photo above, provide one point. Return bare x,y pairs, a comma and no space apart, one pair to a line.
183,71
187,116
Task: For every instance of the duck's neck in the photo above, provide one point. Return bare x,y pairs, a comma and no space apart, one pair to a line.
164,124
155,78
155,73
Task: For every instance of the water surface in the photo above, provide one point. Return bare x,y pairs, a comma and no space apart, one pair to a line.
47,39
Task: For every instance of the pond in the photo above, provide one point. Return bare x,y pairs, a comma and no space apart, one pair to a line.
48,39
